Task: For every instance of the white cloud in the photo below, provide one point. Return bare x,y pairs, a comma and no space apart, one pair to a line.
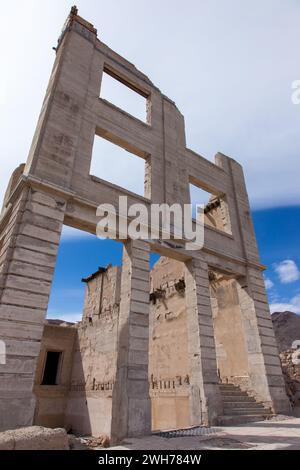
268,283
287,271
70,233
3,93
292,306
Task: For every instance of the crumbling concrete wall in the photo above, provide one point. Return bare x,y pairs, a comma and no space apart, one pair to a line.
169,368
51,400
102,293
216,214
94,367
232,357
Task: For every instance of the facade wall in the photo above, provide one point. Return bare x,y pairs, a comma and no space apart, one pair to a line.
182,365
94,367
169,369
232,356
29,235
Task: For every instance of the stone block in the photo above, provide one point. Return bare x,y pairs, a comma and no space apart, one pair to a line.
34,438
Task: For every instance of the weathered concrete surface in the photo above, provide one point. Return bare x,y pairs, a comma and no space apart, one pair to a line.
29,232
89,406
51,400
34,438
169,367
183,371
232,357
131,407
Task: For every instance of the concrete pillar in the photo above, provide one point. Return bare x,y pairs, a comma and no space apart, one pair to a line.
205,400
131,408
265,373
29,236
264,363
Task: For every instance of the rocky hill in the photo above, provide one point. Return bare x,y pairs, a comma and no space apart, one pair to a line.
287,329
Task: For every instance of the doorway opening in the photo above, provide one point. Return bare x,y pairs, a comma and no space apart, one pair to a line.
51,368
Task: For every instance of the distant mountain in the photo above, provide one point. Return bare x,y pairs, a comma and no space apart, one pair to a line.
287,329
58,322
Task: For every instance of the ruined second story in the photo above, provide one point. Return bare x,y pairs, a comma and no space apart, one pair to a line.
74,115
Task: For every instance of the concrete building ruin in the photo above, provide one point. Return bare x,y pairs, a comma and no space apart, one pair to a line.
204,311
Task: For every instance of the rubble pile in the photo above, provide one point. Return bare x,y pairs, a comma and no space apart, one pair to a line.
287,330
100,441
291,374
34,438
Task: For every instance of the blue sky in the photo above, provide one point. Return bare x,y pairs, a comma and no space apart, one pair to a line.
228,65
80,254
277,232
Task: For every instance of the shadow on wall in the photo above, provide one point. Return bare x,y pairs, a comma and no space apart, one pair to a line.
79,405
